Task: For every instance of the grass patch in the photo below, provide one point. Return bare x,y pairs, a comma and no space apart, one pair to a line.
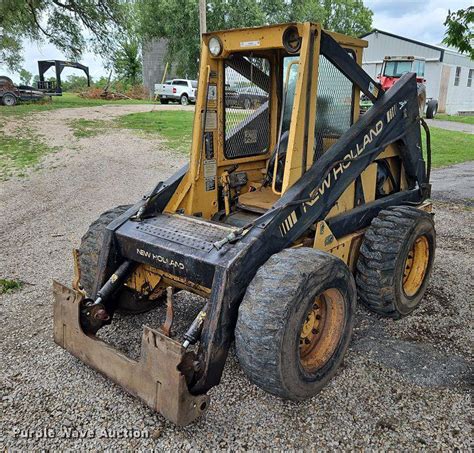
67,100
18,153
174,126
7,285
455,118
449,147
86,128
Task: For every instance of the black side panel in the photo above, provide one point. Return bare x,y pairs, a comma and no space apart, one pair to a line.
156,201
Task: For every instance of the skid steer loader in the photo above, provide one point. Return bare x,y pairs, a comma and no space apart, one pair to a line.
291,207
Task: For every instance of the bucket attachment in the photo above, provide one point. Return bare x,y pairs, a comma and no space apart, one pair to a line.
155,378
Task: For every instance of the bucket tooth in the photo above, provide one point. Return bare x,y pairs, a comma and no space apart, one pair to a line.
154,378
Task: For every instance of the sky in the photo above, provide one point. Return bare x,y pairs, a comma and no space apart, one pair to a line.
421,20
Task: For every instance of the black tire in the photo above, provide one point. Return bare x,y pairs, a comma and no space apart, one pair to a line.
164,101
9,99
89,251
184,100
421,99
431,109
276,304
382,273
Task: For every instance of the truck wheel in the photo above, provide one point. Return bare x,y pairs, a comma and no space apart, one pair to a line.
247,104
164,101
421,91
432,109
295,322
184,100
395,261
89,251
9,99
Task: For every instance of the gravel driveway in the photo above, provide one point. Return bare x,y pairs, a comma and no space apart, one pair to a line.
404,384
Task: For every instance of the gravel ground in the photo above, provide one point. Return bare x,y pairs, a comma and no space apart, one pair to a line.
404,384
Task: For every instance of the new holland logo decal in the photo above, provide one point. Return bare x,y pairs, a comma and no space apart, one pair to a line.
332,177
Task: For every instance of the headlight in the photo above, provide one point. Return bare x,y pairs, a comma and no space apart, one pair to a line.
215,46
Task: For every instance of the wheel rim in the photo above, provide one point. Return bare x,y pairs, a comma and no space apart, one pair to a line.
184,100
9,100
247,104
416,265
321,330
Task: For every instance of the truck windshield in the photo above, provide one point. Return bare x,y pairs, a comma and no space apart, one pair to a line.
397,68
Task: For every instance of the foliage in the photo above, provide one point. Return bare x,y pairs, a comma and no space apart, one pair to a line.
86,128
459,30
175,127
18,153
7,285
67,100
127,61
71,26
450,147
25,77
456,118
74,83
182,32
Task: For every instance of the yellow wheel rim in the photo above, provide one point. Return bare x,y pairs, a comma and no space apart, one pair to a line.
416,265
321,330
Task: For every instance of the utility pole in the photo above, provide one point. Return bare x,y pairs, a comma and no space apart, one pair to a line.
202,17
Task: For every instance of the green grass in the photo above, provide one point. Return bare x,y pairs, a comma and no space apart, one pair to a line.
450,147
174,126
18,153
87,128
67,100
455,118
7,285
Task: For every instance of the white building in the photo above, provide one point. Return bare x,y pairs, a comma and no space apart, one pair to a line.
449,75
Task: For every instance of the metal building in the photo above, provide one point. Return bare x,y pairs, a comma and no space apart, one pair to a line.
449,74
154,64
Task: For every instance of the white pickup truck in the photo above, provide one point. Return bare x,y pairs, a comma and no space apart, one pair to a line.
177,90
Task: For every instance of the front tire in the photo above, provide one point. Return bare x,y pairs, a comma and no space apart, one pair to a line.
128,301
395,261
295,322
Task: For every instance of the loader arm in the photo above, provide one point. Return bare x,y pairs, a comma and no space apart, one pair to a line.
393,119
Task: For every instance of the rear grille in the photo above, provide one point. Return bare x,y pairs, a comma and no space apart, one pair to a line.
187,231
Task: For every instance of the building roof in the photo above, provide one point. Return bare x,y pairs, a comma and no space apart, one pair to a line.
376,30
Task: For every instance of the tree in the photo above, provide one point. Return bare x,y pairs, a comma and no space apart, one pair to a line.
71,26
25,77
127,61
182,29
459,30
74,83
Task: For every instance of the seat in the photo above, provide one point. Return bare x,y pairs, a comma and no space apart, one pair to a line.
259,201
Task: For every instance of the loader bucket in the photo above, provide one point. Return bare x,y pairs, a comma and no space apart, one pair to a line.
155,378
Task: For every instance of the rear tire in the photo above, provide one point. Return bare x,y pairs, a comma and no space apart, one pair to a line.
395,261
295,322
431,109
9,99
184,100
128,300
164,101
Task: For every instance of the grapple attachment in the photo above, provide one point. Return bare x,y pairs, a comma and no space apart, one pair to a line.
155,378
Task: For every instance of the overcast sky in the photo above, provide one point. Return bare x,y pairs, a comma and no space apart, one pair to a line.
421,20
